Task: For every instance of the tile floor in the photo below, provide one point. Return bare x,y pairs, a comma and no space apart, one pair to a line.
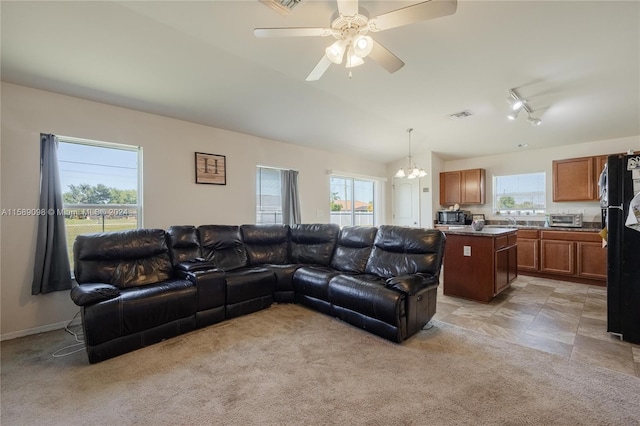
560,317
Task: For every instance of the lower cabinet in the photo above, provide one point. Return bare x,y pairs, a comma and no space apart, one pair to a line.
592,260
528,250
506,268
571,255
479,265
557,257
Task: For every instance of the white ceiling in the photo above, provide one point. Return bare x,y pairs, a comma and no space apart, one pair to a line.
577,62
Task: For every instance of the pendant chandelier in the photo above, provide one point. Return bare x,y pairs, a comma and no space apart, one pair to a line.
412,171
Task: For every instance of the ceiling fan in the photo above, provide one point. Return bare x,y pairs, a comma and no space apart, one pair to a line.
350,30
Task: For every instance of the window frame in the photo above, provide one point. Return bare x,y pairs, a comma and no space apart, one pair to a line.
260,213
520,211
103,210
353,179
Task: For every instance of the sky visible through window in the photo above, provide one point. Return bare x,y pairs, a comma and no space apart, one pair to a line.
523,191
93,165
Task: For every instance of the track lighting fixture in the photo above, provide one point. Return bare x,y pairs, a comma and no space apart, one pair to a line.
412,171
518,104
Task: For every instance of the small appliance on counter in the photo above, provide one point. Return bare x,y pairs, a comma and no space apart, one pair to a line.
454,217
565,220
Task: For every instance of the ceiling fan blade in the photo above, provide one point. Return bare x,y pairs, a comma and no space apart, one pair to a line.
411,14
348,7
385,58
319,69
292,32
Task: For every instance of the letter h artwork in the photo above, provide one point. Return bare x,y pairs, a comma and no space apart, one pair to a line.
211,169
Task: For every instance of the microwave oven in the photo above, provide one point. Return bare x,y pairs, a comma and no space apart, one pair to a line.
453,217
565,220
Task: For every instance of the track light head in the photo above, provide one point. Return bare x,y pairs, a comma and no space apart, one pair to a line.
513,114
534,121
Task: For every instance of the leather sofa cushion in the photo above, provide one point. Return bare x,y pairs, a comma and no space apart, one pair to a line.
266,244
314,281
401,251
139,309
124,258
183,243
353,248
250,283
367,295
313,243
222,246
153,305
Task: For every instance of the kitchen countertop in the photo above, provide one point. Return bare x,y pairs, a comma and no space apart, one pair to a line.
546,228
487,231
495,230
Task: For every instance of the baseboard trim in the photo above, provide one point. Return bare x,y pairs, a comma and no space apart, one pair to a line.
38,330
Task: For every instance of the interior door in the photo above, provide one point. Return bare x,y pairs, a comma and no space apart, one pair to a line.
406,202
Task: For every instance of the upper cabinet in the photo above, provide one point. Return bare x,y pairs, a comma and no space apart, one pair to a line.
576,179
462,187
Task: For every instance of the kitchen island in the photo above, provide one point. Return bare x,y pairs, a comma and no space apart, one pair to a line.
479,265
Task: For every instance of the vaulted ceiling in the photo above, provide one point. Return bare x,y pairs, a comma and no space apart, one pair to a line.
576,62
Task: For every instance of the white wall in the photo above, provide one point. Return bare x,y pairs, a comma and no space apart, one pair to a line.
540,160
170,195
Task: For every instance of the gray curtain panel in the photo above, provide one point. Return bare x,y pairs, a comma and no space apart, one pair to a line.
51,271
290,198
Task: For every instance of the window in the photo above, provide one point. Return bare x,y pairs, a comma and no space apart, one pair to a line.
101,187
268,195
352,201
522,194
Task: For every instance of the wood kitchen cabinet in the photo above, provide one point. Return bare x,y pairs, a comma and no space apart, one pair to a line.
576,179
591,260
463,187
450,188
479,265
557,257
568,255
528,250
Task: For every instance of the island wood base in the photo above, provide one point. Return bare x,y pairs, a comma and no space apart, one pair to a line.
479,265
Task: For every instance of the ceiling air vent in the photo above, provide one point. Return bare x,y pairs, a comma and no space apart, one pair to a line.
281,6
460,115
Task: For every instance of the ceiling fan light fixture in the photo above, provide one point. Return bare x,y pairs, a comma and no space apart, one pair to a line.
353,60
335,52
362,46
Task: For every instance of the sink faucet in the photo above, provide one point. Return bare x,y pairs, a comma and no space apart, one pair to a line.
511,220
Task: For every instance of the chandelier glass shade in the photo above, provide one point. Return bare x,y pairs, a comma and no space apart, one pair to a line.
412,170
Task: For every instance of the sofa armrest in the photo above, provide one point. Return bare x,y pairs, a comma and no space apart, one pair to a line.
194,265
211,286
412,284
89,294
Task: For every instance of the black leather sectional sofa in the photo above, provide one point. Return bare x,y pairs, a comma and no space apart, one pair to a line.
139,287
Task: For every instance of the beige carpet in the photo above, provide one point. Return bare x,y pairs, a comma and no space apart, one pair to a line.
291,365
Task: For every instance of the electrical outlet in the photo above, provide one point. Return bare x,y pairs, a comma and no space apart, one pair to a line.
466,250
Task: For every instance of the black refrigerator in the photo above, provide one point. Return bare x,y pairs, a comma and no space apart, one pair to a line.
623,243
